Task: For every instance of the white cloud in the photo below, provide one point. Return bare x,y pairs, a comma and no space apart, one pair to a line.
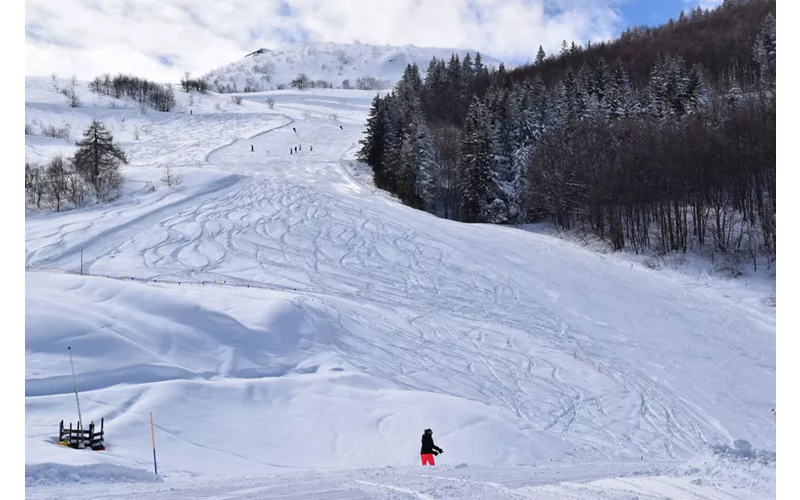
89,37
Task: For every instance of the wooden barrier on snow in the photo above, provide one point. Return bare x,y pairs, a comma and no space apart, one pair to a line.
82,438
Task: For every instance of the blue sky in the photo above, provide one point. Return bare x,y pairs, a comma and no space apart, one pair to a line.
653,12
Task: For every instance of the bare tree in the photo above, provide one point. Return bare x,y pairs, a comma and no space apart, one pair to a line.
69,92
169,177
301,82
56,183
34,184
447,139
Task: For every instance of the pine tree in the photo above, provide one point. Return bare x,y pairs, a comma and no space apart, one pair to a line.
501,149
480,69
765,48
427,167
696,90
435,91
395,133
98,159
453,101
657,91
476,173
372,145
574,98
558,108
600,79
564,49
540,56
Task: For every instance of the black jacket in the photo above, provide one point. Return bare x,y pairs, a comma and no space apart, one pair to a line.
428,446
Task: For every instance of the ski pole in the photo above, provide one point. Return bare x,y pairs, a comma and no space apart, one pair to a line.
153,436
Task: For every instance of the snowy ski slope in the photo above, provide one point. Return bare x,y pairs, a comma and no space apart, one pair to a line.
293,330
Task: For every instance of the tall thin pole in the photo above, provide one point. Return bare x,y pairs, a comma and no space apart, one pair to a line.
75,388
81,262
153,436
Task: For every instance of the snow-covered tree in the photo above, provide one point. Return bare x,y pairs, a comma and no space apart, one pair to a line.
765,48
476,168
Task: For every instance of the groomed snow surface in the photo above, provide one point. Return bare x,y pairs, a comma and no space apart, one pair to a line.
293,330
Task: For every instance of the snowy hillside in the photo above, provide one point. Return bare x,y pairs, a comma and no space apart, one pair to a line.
293,330
266,69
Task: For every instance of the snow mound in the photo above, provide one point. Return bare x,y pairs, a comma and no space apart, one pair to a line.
738,466
123,332
48,474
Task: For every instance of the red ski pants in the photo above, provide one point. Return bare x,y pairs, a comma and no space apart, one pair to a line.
427,459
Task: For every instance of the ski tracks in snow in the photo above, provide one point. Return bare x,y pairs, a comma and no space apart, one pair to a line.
446,312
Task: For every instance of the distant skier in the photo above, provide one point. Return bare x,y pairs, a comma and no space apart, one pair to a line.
295,130
290,150
251,148
301,147
295,149
340,127
311,148
428,448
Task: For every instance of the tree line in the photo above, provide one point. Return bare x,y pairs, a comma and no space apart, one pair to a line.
146,93
667,158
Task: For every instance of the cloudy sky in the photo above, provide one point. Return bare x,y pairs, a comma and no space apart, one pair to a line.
160,39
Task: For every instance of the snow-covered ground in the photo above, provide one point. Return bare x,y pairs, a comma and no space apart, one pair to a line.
293,330
266,69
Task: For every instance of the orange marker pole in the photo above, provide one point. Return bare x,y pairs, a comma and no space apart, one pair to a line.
153,436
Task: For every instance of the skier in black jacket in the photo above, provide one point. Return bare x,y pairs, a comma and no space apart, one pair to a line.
428,448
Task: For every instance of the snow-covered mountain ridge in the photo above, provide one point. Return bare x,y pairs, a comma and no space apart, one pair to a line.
334,63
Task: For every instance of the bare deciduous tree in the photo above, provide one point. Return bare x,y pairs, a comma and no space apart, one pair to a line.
169,177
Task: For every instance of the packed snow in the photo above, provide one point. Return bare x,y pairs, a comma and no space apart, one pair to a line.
293,330
267,69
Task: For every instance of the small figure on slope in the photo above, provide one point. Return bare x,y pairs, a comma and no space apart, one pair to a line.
251,148
429,449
